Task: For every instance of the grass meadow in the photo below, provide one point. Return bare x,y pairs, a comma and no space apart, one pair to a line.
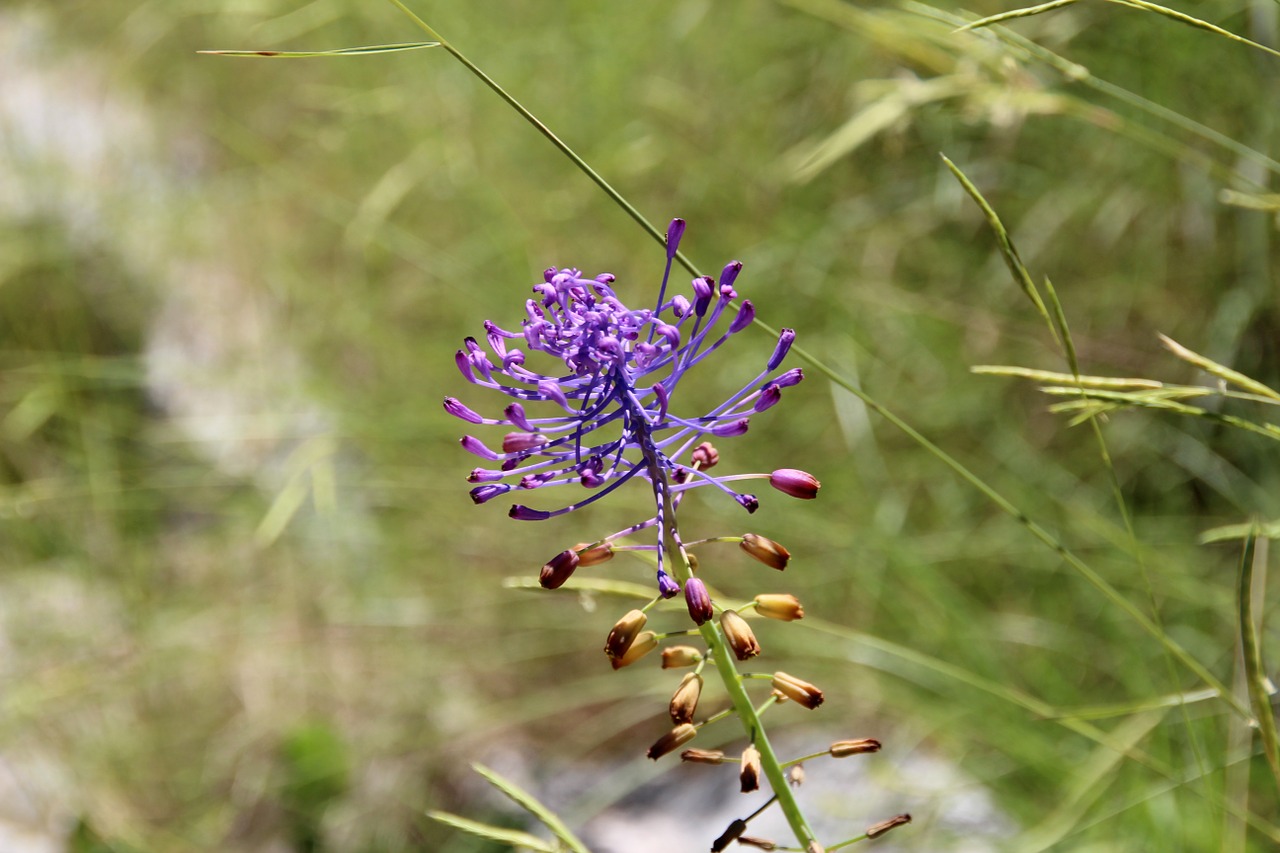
246,603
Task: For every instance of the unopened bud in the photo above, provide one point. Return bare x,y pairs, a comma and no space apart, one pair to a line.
796,776
765,550
702,756
698,600
589,556
785,608
794,482
672,740
644,643
559,569
735,830
885,825
705,455
758,843
749,774
845,748
675,657
801,692
519,442
738,633
684,702
624,634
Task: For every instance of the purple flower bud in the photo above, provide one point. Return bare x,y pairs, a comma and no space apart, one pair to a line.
660,392
794,376
785,340
515,414
476,446
480,494
520,442
481,475
454,407
730,273
558,570
667,586
698,600
701,295
731,429
769,397
794,482
524,513
746,313
674,232
748,502
551,391
464,366
680,306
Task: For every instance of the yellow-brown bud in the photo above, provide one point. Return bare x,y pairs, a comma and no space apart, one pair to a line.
646,642
801,692
678,656
765,550
758,843
672,740
845,748
749,773
739,635
785,608
702,756
885,825
624,634
589,556
796,776
684,702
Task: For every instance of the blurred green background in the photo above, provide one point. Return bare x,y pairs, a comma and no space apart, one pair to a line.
245,603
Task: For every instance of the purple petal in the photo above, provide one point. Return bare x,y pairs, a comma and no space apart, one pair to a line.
731,429
746,313
674,232
667,586
524,513
785,339
515,414
454,407
794,376
769,397
476,446
480,494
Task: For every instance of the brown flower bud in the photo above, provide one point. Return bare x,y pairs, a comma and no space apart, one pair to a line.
672,740
738,633
624,634
702,756
589,556
885,825
705,455
785,608
765,550
758,843
802,692
735,830
678,656
845,748
644,643
749,774
794,482
558,570
684,702
796,776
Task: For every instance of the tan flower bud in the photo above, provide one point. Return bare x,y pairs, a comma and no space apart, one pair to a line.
739,635
845,748
702,756
885,825
589,556
801,692
646,642
796,776
672,740
749,774
624,634
758,843
684,702
765,550
678,656
785,608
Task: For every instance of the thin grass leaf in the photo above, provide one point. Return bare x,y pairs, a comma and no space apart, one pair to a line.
1081,381
1024,12
527,802
1183,17
342,51
1125,709
1010,252
1267,202
1260,688
510,837
1208,365
1228,532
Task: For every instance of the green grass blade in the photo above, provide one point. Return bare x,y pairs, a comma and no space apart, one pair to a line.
1024,12
1264,530
510,837
1255,673
1208,365
527,802
1081,381
1184,18
342,51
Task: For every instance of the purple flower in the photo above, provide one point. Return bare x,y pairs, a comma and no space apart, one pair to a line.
602,409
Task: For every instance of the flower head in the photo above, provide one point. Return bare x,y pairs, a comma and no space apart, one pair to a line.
604,391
